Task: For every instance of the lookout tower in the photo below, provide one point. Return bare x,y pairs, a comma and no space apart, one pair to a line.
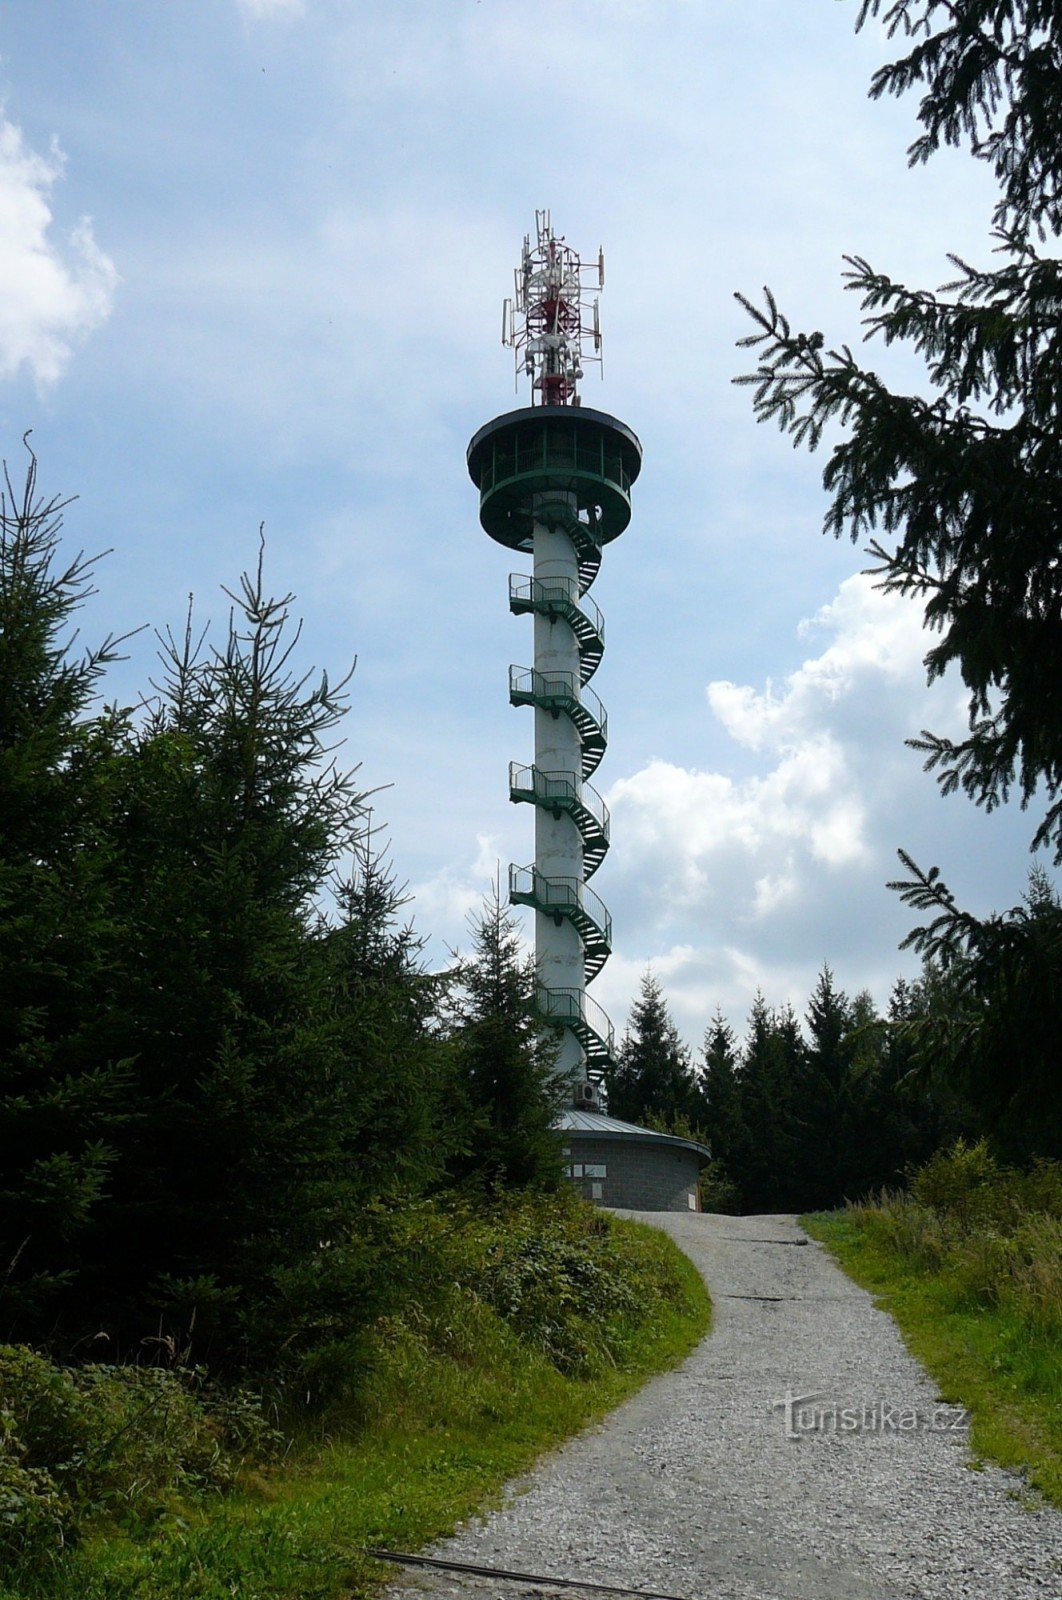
554,481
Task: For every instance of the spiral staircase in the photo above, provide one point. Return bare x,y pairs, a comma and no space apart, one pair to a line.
567,793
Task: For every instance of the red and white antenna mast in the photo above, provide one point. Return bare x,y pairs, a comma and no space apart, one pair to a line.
552,321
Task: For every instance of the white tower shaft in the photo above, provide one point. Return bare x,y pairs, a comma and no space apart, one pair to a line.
558,753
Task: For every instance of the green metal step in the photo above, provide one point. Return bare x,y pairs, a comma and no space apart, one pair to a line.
558,597
562,792
557,692
585,536
569,898
588,1022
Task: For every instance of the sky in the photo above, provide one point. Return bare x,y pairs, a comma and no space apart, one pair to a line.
252,259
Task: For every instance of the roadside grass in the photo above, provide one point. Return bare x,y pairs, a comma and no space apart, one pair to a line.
468,1384
969,1263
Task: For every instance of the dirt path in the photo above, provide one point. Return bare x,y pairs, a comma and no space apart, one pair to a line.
696,1488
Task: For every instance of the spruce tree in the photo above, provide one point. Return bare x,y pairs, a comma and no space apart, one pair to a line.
653,1077
989,1031
507,1087
824,1094
764,1108
778,1128
718,1114
232,816
958,490
214,1061
63,1104
720,1107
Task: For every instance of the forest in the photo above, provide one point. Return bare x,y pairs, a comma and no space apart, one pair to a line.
223,1061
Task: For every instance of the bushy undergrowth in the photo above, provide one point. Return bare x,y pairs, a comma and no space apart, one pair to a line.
78,1442
969,1261
513,1321
994,1233
570,1282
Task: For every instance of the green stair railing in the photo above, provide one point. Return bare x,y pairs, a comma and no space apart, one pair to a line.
585,536
571,899
558,792
559,597
557,692
588,1022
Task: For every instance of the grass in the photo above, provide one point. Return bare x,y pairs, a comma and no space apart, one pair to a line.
465,1391
969,1264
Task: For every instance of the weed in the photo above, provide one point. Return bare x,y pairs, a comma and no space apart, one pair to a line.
969,1262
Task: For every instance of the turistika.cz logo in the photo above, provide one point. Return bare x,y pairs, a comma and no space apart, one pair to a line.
817,1413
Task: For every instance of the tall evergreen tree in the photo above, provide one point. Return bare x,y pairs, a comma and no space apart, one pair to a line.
894,1122
653,1076
771,1059
719,1095
824,1094
958,493
232,816
507,1084
991,1031
204,1081
62,1104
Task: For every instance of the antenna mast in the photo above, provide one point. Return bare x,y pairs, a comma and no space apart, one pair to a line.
551,314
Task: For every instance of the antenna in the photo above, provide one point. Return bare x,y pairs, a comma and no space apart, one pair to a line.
549,315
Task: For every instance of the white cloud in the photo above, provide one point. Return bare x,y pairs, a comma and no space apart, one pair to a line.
875,637
49,297
449,899
259,10
733,881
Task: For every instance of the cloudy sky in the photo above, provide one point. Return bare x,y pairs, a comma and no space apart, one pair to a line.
252,254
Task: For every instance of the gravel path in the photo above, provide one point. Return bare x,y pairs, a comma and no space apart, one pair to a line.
693,1488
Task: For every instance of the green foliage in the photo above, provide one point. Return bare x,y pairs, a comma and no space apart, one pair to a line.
966,479
653,1076
797,1120
994,1232
993,1028
63,1102
570,1282
718,1191
989,76
957,492
718,1086
572,1292
460,1399
970,1264
215,1053
78,1442
504,1063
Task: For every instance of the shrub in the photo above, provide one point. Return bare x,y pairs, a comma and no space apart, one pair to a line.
718,1192
961,1183
74,1440
571,1282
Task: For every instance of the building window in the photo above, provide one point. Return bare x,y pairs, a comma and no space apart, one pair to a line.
691,1200
595,1169
596,1191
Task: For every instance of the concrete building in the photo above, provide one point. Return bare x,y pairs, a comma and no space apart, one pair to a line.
615,1163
